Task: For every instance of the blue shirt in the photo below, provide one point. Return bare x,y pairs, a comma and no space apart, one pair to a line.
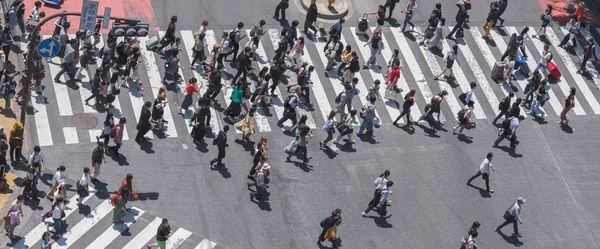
384,195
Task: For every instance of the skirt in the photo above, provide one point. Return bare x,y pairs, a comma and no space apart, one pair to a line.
81,191
234,109
187,101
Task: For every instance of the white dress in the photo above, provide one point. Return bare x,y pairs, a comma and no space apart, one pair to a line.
436,40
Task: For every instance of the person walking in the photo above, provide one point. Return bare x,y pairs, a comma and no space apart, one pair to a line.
304,135
162,235
573,28
296,53
126,189
30,181
97,159
36,158
379,182
376,46
119,210
198,49
281,7
569,104
311,17
450,58
84,61
214,84
47,241
438,35
540,96
381,203
14,214
409,101
469,241
484,172
169,36
509,131
296,129
515,110
474,227
409,9
16,142
335,32
329,128
504,107
463,119
246,125
243,65
57,215
346,128
118,135
509,67
261,149
235,107
491,18
543,62
391,5
329,226
368,115
289,108
144,123
262,170
172,68
546,18
221,142
460,18
589,52
188,99
67,64
352,67
502,5
512,215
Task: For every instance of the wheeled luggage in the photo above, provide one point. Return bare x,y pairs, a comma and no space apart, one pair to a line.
554,71
151,43
498,71
362,25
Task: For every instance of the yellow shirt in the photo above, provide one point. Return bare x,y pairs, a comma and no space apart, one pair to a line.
346,56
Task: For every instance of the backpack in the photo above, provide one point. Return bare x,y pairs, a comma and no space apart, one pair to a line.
465,245
504,104
287,104
338,98
463,98
461,114
232,36
323,222
507,214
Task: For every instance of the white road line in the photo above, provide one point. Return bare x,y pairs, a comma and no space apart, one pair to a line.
502,46
413,65
572,68
156,83
61,91
85,88
454,105
42,124
115,231
144,236
531,64
362,84
35,234
335,82
226,89
392,111
206,244
564,86
177,238
465,84
77,231
70,135
93,134
188,40
415,113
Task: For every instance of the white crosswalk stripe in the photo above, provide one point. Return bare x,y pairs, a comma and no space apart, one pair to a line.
62,101
96,230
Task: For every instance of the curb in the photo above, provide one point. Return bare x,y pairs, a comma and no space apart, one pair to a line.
329,15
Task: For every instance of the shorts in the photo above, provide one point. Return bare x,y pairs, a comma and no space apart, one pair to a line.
378,27
545,23
449,64
134,74
161,244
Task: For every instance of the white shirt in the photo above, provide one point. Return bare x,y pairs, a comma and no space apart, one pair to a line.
468,96
202,29
56,212
470,242
485,166
84,180
59,177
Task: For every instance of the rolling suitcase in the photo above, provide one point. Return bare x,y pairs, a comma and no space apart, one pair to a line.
362,25
554,71
151,43
498,71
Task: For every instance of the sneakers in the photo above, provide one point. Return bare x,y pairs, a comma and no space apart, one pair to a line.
520,234
364,214
491,191
460,134
387,215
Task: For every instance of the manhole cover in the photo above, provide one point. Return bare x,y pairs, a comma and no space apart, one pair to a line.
84,121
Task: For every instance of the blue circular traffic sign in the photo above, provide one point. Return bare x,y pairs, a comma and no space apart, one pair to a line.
48,48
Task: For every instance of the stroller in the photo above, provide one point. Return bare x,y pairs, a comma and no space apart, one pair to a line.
362,25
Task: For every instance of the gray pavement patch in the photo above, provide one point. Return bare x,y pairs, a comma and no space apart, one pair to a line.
84,121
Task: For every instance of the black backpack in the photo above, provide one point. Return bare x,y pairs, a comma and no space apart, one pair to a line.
461,114
504,104
232,35
463,98
338,98
506,124
286,104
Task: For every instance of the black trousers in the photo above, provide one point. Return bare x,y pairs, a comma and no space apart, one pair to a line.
376,198
373,203
281,9
198,55
238,74
458,26
565,40
485,177
309,25
212,93
116,148
513,221
405,111
392,6
142,132
234,51
582,68
18,155
220,58
306,92
513,139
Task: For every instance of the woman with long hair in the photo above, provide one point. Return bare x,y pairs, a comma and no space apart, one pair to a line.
329,128
126,189
569,104
409,101
246,125
261,149
546,18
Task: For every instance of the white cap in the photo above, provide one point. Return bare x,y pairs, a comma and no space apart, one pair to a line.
521,199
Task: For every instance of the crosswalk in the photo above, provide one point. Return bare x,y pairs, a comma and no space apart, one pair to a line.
55,111
94,229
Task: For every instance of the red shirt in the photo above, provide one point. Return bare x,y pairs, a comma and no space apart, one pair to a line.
191,89
395,73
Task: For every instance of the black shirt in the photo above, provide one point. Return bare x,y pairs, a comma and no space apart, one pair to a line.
97,155
162,232
381,14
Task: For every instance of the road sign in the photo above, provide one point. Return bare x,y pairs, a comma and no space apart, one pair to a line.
106,17
48,48
89,11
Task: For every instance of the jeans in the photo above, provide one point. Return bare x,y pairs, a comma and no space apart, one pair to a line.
306,93
349,103
68,68
281,9
367,123
291,145
303,151
541,65
485,176
430,120
407,20
373,58
10,231
21,25
57,225
502,113
7,100
329,136
515,225
535,108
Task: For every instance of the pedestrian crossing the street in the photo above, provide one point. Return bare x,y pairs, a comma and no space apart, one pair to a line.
91,226
58,110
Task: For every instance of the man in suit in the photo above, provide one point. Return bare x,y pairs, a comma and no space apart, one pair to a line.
221,142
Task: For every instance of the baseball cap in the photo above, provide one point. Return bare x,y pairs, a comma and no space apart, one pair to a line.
521,200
